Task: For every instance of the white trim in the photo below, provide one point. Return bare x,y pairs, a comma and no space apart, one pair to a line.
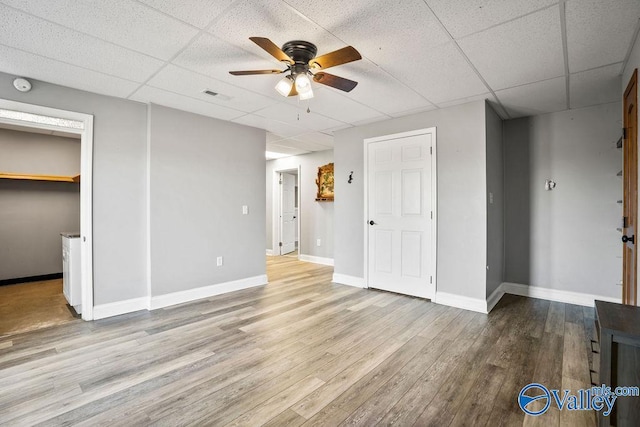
344,279
180,297
494,298
459,301
316,259
120,307
86,183
567,297
148,206
434,199
269,252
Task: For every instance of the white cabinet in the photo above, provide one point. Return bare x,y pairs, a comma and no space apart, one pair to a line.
71,270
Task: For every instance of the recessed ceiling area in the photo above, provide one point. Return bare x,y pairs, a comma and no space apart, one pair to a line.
524,56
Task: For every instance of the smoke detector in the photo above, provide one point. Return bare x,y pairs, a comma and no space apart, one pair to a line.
22,85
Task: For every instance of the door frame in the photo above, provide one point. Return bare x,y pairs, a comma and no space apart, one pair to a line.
277,209
80,124
434,198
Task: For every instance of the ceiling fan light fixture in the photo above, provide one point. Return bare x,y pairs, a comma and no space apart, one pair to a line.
284,86
303,84
308,94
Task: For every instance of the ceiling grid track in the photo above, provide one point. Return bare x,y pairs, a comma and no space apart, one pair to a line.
565,51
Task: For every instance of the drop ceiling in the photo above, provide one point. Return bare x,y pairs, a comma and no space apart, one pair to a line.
525,56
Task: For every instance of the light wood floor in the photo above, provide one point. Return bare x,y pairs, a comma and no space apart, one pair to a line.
300,351
29,306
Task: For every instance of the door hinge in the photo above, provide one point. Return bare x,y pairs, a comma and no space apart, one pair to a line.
624,133
280,244
431,214
430,150
431,279
624,222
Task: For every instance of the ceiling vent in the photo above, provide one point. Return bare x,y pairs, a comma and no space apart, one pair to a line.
216,94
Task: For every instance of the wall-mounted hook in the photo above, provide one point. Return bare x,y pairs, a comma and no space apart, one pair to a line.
350,177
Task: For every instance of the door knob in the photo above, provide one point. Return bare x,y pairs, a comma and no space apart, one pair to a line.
626,239
371,222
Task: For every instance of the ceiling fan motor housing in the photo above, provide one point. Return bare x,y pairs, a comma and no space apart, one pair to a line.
301,52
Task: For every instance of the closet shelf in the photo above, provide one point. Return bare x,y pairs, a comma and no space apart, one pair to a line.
33,177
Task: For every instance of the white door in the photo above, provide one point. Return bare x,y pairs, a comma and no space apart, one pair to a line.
400,215
287,213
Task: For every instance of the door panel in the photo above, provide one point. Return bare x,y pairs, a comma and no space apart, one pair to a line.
630,193
399,205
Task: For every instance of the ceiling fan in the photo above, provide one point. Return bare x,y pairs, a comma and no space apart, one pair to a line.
300,58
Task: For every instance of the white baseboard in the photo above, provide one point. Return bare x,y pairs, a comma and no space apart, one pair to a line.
344,279
316,259
459,301
567,297
494,298
174,298
121,307
269,252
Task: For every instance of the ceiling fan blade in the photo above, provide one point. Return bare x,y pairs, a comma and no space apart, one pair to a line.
335,81
252,72
337,57
272,49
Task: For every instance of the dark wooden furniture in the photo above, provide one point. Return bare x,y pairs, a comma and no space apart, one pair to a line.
618,329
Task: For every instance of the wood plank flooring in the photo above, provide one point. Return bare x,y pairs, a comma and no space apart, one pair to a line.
299,351
29,306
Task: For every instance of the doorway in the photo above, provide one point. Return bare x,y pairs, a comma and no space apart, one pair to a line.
400,213
630,193
45,119
287,219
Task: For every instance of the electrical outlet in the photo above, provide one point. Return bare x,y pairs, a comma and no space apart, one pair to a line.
245,210
490,198
319,242
219,261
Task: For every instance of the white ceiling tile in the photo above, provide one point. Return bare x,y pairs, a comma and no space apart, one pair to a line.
273,126
441,74
53,41
331,103
292,151
24,64
298,117
523,51
465,17
597,86
599,31
399,28
123,22
379,90
301,144
535,98
196,12
188,83
465,100
318,138
273,19
153,95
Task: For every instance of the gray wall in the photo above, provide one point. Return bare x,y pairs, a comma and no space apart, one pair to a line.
495,208
202,171
119,183
33,213
316,218
564,239
462,206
